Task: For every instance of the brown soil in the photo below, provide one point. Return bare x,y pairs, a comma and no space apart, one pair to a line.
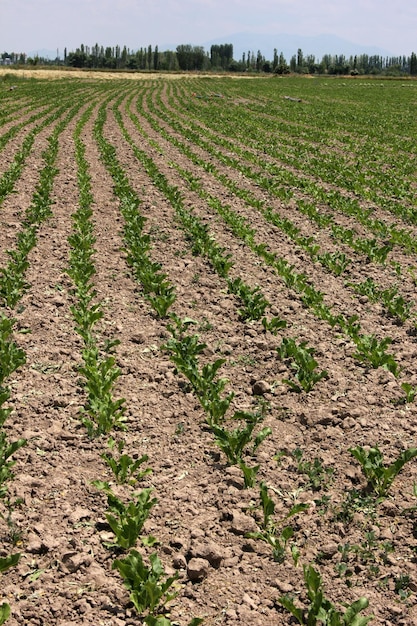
203,512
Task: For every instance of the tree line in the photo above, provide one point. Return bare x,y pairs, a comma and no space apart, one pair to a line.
187,57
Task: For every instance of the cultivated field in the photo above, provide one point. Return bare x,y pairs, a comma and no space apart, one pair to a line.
213,279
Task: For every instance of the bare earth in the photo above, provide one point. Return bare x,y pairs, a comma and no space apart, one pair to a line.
64,576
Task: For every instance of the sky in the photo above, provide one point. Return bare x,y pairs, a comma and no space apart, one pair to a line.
34,25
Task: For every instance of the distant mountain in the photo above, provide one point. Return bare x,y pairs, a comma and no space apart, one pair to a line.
318,45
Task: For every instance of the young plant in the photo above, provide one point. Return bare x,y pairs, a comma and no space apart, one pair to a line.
304,364
184,350
320,609
101,412
410,391
336,262
5,563
234,442
254,303
276,538
148,585
370,350
317,475
380,477
127,520
273,325
125,469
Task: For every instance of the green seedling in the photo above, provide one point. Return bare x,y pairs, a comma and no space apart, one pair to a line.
336,262
101,412
125,469
350,326
6,451
254,303
380,477
304,364
410,391
234,443
5,563
372,249
276,538
370,553
12,357
184,350
396,306
320,609
317,475
401,587
127,520
163,300
148,585
370,350
273,325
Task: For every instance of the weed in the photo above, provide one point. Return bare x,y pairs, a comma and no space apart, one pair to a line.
317,475
401,587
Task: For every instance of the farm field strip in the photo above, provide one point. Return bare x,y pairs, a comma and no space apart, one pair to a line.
359,246
291,180
342,202
335,261
348,177
223,488
335,318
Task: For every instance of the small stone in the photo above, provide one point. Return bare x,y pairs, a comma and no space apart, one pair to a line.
198,569
283,586
138,338
246,599
389,508
242,524
260,388
179,561
209,551
329,549
72,561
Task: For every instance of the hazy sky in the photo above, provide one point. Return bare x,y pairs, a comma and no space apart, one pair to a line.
30,25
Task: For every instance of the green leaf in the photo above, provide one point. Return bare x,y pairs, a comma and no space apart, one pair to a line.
9,561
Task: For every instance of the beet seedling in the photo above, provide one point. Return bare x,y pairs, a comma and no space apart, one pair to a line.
254,303
370,350
184,350
147,585
5,563
273,325
304,364
234,442
125,469
127,520
277,539
380,477
321,610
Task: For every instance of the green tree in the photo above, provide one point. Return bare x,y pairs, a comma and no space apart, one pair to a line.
413,64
